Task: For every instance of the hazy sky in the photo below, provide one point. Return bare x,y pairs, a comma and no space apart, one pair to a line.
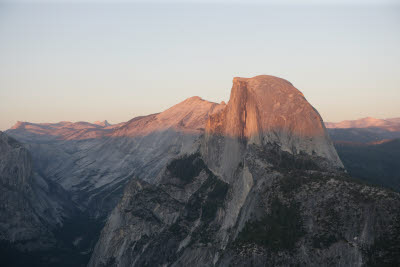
87,61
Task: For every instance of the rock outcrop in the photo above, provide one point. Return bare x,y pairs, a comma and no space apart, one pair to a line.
264,187
104,123
256,181
265,110
30,205
39,223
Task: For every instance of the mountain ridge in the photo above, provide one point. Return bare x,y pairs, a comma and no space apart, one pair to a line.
244,197
91,161
391,124
195,184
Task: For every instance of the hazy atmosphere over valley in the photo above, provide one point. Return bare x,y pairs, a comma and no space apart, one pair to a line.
199,133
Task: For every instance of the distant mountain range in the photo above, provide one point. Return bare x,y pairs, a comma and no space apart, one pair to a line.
369,149
253,182
366,130
392,124
64,130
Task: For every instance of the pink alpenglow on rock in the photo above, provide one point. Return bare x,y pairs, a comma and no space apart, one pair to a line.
189,116
392,125
266,109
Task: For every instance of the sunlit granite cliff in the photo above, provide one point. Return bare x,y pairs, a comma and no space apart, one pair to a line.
263,186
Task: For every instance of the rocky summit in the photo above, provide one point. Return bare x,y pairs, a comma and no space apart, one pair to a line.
262,186
254,182
264,111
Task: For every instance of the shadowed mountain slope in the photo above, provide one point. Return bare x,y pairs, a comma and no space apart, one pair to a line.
93,163
255,193
369,149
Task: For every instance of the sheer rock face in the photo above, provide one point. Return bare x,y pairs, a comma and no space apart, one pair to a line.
265,189
265,104
30,205
16,181
265,110
262,186
279,210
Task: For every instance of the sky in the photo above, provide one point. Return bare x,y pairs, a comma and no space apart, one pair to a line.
93,60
